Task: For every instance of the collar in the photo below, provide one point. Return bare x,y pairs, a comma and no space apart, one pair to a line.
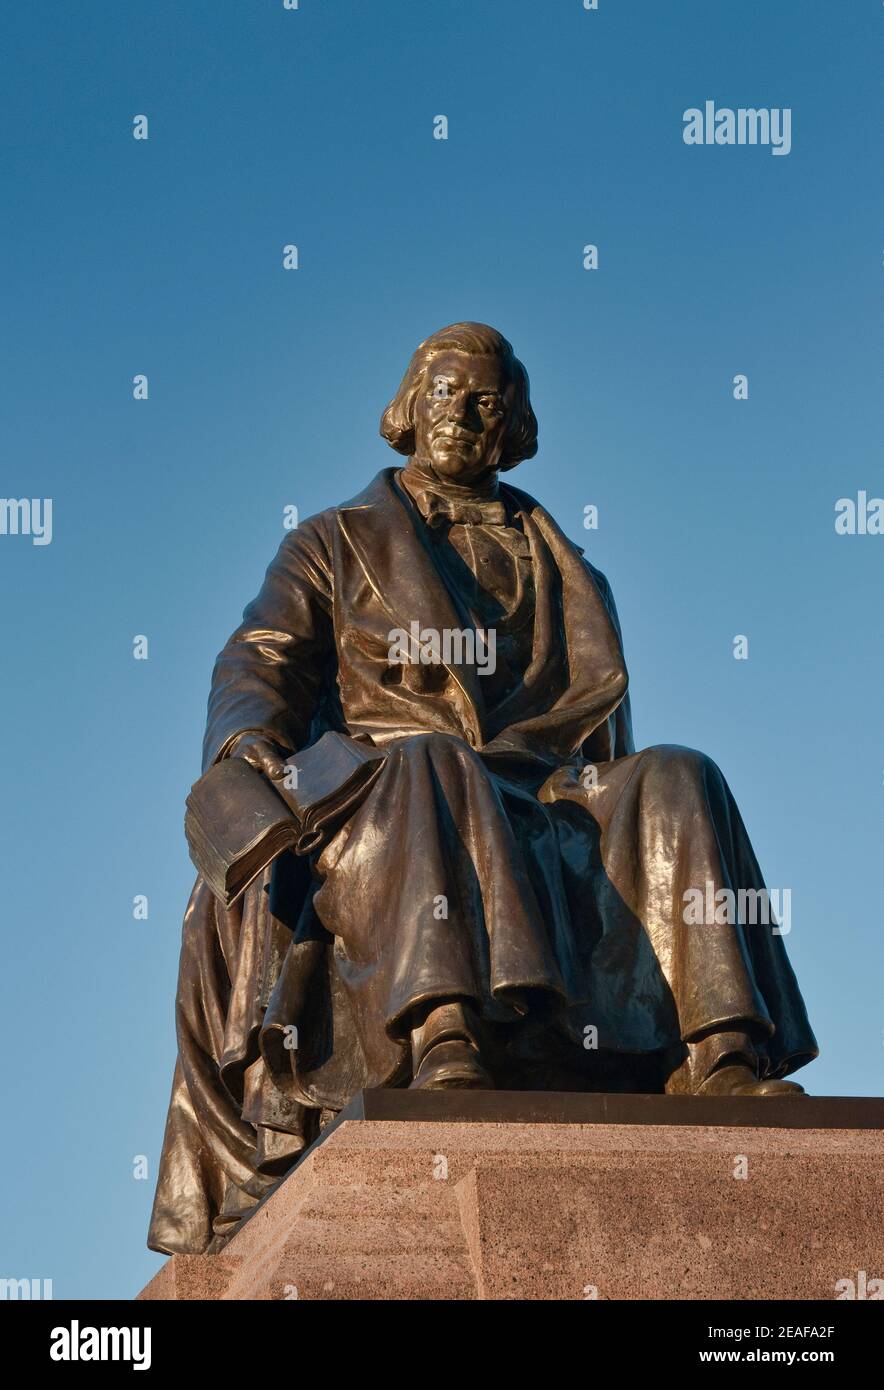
442,502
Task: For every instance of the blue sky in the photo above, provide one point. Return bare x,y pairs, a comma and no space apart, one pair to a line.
164,257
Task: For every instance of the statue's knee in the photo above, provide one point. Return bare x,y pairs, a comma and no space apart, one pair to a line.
674,762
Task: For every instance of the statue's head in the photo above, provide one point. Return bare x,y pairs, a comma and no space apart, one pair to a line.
463,405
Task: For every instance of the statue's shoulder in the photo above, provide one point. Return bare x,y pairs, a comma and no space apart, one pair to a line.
378,493
319,528
523,500
526,502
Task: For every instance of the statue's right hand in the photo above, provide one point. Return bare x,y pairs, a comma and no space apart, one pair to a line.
263,754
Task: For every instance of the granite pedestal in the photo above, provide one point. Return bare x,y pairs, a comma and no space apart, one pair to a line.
489,1195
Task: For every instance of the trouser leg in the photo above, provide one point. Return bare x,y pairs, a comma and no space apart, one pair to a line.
428,893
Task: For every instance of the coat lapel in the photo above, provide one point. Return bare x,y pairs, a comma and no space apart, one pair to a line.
383,530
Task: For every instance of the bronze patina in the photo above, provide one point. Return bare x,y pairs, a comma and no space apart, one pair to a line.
504,907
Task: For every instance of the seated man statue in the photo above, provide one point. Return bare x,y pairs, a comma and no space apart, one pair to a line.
504,905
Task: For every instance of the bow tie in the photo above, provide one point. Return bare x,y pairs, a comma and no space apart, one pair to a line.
450,511
438,510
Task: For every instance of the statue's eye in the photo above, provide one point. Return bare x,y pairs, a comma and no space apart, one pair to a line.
489,403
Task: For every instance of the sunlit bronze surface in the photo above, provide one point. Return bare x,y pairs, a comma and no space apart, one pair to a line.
563,893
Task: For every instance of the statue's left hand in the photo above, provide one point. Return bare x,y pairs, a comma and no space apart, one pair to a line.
262,753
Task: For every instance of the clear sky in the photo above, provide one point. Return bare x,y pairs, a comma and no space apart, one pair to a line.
163,256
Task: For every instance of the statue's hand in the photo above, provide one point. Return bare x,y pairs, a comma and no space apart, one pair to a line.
263,754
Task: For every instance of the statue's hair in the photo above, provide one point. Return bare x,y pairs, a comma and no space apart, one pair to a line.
397,421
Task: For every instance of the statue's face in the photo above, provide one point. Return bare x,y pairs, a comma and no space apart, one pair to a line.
461,415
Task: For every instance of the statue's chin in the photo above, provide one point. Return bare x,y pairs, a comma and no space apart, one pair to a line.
457,468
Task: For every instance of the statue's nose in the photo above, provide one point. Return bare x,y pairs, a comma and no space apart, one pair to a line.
458,405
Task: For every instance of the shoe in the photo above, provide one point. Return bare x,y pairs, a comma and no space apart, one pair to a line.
452,1065
741,1081
445,1051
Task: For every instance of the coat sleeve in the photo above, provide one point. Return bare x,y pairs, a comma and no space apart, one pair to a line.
269,677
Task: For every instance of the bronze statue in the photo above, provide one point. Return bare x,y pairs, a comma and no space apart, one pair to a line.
504,905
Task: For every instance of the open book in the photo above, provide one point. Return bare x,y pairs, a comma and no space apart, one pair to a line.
237,821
